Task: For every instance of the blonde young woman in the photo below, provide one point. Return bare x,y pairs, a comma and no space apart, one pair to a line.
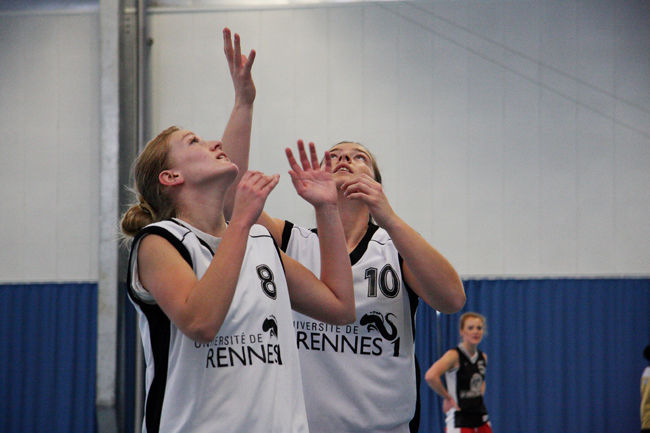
213,298
363,377
464,369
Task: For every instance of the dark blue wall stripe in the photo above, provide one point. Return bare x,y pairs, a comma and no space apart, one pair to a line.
48,352
564,354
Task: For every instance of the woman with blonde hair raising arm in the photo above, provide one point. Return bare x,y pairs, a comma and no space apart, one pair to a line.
214,298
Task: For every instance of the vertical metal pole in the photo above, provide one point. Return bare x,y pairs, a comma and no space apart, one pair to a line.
141,10
140,69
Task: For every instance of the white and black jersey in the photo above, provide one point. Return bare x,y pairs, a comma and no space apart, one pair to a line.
465,385
247,379
361,376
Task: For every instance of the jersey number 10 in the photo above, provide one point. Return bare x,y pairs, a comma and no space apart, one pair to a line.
388,282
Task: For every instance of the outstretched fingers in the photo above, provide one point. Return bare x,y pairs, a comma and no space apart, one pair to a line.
328,161
314,157
237,58
303,155
227,46
293,164
248,62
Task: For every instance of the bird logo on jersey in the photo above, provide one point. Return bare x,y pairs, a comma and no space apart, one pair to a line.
481,367
376,321
270,325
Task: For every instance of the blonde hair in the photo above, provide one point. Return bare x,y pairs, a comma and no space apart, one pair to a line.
153,200
472,315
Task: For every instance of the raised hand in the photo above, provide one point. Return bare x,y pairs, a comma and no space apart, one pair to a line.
240,68
252,191
312,181
370,192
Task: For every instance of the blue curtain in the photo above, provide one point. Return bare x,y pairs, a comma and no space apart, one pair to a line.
564,355
48,336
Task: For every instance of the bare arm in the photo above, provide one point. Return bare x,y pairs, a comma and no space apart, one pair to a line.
313,297
315,184
199,306
448,361
426,271
237,135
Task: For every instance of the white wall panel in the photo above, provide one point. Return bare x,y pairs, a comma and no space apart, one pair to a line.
345,79
276,120
12,162
311,78
415,126
513,135
49,110
521,172
485,124
450,138
558,184
632,201
174,77
595,193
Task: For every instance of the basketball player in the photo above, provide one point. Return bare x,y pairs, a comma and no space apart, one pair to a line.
464,369
214,299
362,377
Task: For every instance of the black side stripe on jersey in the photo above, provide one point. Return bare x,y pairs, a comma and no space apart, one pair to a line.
201,241
275,244
159,333
286,234
414,299
176,243
414,424
277,249
361,248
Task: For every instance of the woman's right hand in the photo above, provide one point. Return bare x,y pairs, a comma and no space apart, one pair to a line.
252,191
312,182
448,404
240,68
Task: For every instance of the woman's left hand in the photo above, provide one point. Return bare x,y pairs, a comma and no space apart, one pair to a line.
370,192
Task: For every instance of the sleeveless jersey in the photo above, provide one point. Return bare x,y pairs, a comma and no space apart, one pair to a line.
248,378
464,384
361,376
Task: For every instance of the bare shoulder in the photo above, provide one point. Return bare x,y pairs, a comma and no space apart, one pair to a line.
448,361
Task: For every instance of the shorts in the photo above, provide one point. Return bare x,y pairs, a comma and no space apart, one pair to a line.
485,428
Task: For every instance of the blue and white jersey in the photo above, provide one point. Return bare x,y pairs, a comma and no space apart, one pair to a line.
248,378
361,376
